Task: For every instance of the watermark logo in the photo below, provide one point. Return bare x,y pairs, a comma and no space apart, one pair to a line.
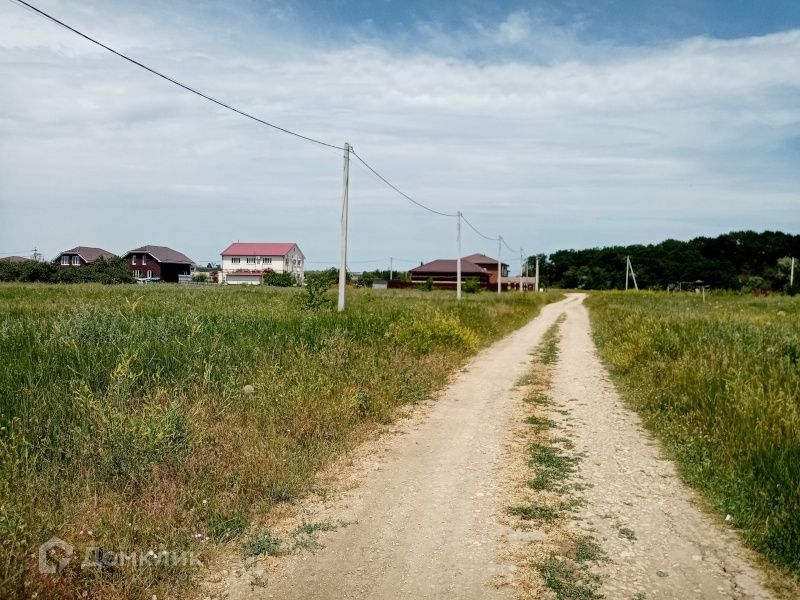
54,555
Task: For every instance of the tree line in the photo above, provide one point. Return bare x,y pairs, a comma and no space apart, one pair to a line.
113,270
739,260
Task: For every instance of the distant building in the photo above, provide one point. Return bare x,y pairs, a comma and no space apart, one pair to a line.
159,262
80,256
444,272
488,263
14,259
246,263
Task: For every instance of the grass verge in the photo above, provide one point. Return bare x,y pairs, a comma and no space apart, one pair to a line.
563,560
719,383
138,419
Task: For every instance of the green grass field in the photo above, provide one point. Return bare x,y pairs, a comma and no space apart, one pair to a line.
128,422
719,382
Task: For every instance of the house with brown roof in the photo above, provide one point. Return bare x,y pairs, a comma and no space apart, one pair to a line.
488,263
80,256
246,262
158,262
444,272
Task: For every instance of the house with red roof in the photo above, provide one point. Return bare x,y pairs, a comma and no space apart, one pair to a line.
246,262
80,256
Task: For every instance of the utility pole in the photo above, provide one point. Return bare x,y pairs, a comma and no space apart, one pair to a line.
521,272
499,262
629,269
458,255
791,274
537,273
391,264
627,262
343,249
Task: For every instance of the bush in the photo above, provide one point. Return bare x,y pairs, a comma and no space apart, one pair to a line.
113,270
278,279
200,278
365,280
315,295
427,286
471,286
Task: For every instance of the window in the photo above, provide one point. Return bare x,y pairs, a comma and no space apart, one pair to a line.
64,259
137,274
251,260
149,273
76,260
133,260
267,260
236,260
144,259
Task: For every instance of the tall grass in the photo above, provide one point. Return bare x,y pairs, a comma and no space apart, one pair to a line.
167,417
719,382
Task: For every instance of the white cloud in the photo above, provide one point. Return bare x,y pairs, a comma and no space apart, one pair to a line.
515,28
628,144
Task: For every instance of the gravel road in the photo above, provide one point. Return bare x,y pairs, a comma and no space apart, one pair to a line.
421,502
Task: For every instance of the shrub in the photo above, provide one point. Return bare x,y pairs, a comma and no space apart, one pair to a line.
471,286
200,278
365,280
427,285
278,279
315,295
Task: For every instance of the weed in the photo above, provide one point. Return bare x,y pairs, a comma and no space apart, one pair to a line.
264,542
587,550
225,527
540,422
568,581
718,383
628,534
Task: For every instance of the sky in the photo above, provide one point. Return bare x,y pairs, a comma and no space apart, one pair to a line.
557,125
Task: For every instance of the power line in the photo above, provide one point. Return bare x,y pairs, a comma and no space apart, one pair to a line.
245,114
471,226
175,81
507,246
398,190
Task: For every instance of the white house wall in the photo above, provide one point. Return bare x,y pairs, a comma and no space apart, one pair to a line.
293,262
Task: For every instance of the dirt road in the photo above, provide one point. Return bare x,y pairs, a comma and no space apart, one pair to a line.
422,505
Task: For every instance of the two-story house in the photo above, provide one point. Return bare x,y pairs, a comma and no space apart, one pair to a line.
246,263
80,256
159,262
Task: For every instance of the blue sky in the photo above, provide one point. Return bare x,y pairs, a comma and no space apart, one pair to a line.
556,124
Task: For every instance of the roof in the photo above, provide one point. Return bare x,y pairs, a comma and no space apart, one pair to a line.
89,254
482,259
259,249
14,259
448,265
163,254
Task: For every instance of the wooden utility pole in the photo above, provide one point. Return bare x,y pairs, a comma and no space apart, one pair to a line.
343,239
521,271
458,255
791,274
537,273
390,267
499,262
